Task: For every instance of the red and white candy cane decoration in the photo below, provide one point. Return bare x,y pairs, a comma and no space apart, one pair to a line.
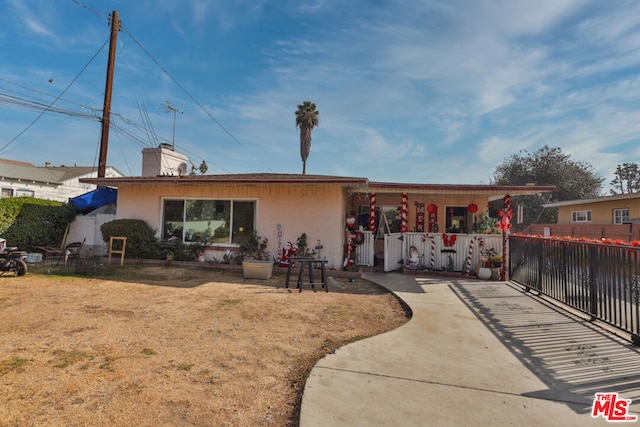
404,212
467,268
433,252
372,212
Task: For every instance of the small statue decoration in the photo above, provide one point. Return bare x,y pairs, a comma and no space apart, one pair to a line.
353,237
288,251
414,259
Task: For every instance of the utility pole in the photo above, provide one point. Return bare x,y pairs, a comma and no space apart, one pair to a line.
171,109
106,111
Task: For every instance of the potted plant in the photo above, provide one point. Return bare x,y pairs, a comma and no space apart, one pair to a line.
303,248
486,267
252,252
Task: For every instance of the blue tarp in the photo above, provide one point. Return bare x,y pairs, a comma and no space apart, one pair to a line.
87,202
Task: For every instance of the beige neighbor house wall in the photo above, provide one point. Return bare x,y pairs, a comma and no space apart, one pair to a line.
602,212
601,225
315,209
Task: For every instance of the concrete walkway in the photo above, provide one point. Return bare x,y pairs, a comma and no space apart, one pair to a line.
474,353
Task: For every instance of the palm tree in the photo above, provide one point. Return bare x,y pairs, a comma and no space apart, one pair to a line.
306,120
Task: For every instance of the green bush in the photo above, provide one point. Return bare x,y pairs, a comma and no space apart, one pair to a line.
180,251
27,222
141,238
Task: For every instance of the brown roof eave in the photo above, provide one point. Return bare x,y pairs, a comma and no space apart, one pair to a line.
373,186
114,182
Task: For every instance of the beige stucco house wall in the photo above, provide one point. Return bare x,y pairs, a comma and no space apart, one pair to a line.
286,205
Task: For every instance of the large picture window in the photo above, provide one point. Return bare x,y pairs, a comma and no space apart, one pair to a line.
207,221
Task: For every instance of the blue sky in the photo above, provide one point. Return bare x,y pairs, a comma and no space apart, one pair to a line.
408,91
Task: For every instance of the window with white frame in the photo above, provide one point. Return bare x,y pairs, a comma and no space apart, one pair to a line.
581,216
620,216
24,193
207,220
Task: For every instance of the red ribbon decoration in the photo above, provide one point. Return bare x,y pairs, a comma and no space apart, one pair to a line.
449,240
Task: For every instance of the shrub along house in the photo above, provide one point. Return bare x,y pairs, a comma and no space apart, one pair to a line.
215,209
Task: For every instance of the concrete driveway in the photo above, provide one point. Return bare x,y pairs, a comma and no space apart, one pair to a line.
474,353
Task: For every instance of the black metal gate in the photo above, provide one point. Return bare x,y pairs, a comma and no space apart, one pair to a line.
601,280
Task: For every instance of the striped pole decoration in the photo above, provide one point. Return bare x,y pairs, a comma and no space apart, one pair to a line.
467,269
404,212
433,252
372,212
505,255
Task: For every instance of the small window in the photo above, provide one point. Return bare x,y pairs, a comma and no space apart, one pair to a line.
581,216
24,193
7,192
620,216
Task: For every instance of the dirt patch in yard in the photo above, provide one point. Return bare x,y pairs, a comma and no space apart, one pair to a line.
172,346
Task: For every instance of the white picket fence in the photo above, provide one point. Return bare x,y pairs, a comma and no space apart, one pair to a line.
437,251
366,251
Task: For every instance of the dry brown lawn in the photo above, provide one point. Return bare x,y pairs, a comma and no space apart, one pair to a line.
172,346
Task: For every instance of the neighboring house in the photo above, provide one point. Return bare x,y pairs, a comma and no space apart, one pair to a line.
617,209
613,217
215,209
61,183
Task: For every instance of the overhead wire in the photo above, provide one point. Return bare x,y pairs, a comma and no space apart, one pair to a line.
195,101
34,104
54,101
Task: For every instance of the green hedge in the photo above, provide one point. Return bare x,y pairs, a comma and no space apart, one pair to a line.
27,222
141,238
142,243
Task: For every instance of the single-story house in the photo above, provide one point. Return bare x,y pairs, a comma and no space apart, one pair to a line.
215,209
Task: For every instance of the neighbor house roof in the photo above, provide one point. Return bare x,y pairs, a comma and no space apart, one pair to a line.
22,171
595,200
70,172
52,175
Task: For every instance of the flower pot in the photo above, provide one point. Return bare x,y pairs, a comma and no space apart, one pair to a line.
484,273
252,269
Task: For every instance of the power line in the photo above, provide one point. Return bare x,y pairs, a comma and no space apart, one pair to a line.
155,61
33,104
54,101
48,95
88,8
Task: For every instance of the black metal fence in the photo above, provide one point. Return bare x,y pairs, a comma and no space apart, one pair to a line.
598,279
